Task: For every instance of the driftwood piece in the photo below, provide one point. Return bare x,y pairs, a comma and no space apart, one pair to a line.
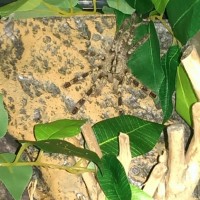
183,167
191,62
124,151
176,160
93,187
157,176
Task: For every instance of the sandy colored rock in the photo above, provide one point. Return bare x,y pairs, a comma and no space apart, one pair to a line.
40,57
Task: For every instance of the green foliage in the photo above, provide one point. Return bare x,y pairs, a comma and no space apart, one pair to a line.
14,178
120,17
143,134
64,147
160,5
146,65
145,62
114,182
184,18
121,5
113,179
141,6
185,96
138,194
19,6
3,118
39,8
170,62
58,129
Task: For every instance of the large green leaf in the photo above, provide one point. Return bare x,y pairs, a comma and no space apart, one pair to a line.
14,178
120,17
121,5
184,17
138,194
141,6
160,5
113,179
62,4
20,6
58,129
145,62
185,96
64,147
170,62
3,118
23,9
143,134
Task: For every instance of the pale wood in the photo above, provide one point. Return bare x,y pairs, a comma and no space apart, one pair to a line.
176,161
157,176
183,167
124,151
93,187
191,62
90,139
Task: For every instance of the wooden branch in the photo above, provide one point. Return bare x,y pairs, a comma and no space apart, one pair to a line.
90,139
191,62
192,173
183,168
93,187
157,176
176,161
124,151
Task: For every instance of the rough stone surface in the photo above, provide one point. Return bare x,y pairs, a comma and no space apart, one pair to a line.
37,58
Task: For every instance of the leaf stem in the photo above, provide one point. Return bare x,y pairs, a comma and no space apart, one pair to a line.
95,6
73,169
21,150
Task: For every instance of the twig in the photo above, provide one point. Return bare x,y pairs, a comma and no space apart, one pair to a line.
157,176
124,151
93,188
90,139
191,62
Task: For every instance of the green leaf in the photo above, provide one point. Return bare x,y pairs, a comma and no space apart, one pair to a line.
3,118
141,6
58,129
10,8
62,4
143,134
170,62
120,17
184,17
185,96
107,10
14,178
19,6
113,180
38,8
160,5
64,147
138,194
145,62
121,5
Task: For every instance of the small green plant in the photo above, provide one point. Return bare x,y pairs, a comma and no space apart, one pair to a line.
160,74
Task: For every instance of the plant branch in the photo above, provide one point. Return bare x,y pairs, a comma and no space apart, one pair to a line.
73,169
93,188
21,150
191,62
